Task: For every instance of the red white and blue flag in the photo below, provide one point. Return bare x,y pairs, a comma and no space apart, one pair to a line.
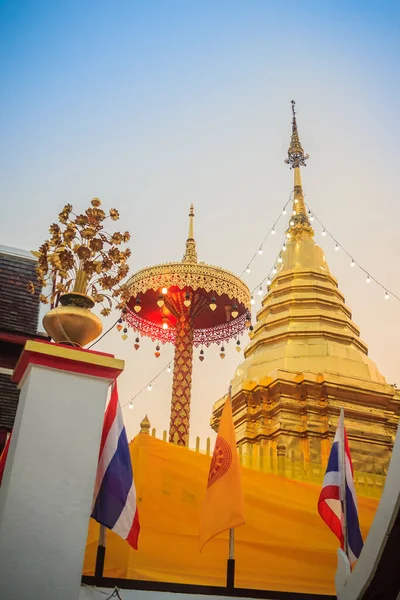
114,501
337,502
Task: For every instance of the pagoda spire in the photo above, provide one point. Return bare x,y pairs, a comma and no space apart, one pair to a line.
190,253
299,222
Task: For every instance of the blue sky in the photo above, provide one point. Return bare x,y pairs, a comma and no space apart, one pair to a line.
154,105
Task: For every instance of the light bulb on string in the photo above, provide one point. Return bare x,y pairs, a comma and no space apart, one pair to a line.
149,387
294,212
323,232
288,235
252,301
310,216
269,281
280,259
352,264
248,269
284,247
260,251
291,223
130,405
274,270
284,211
260,292
368,279
273,231
387,296
169,369
337,247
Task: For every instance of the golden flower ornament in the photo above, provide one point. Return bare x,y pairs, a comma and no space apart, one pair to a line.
82,258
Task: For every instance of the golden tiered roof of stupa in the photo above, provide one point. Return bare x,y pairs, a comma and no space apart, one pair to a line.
305,358
304,324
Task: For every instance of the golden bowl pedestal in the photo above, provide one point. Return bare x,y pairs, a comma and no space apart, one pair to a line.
71,322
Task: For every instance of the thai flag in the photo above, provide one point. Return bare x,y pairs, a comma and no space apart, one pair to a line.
114,501
337,502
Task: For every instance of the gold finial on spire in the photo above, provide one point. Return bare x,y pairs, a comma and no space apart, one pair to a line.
296,156
299,221
191,216
190,254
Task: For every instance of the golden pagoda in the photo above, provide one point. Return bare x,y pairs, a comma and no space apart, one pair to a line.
305,360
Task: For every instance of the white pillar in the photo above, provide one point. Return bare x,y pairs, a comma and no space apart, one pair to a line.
47,489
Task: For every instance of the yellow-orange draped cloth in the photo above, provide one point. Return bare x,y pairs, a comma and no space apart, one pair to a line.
223,505
284,544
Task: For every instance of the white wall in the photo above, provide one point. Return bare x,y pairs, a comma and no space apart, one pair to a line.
47,489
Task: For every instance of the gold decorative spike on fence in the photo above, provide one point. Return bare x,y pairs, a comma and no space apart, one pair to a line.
145,425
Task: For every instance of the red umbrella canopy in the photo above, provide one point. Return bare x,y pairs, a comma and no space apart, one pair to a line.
216,301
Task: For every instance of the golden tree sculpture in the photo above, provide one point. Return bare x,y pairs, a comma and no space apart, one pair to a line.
82,257
81,265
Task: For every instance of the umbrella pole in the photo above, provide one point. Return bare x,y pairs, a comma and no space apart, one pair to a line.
182,381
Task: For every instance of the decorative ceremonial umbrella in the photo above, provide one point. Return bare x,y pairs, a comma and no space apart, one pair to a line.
188,304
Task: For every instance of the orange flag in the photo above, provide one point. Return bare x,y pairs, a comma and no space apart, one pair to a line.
223,505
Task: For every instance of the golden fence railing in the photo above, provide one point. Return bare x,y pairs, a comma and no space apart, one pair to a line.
275,460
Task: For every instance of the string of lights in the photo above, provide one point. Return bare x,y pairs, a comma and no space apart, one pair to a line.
271,273
388,293
148,386
271,231
312,216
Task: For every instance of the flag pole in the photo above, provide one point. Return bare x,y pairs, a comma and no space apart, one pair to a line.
230,569
101,553
342,459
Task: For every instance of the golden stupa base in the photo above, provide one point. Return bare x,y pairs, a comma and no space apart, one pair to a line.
71,322
296,415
